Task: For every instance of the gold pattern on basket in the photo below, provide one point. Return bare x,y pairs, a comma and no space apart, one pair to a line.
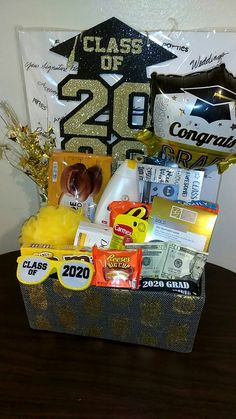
120,326
121,297
95,331
60,290
150,313
147,339
92,303
184,304
42,322
177,334
66,317
38,296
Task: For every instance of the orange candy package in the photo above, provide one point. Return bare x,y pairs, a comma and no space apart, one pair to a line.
117,268
127,207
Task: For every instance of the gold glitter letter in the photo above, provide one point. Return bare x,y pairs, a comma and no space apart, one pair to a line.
106,62
117,61
112,46
136,46
86,39
121,106
98,47
76,124
125,45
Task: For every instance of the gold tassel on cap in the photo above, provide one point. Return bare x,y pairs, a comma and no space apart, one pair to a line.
71,57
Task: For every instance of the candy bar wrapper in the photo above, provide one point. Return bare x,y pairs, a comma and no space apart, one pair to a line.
57,253
117,268
169,182
78,180
179,223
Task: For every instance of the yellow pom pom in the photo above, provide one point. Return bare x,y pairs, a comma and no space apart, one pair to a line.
52,225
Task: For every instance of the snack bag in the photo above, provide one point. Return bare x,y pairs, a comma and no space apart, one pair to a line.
78,180
117,268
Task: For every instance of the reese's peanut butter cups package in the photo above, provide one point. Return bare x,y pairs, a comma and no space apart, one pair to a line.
117,268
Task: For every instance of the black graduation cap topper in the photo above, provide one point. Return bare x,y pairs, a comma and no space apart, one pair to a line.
113,47
212,102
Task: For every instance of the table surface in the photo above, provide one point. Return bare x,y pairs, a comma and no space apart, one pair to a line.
50,375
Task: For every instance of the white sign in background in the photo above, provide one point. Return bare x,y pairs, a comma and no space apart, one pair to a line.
44,69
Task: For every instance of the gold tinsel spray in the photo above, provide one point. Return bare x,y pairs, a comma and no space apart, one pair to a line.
26,150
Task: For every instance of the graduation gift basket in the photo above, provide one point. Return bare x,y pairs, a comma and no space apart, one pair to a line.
131,185
128,268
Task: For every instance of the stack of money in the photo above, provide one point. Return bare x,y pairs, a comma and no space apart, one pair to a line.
168,266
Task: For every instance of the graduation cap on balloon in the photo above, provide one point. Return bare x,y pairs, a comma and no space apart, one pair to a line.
212,102
214,90
113,47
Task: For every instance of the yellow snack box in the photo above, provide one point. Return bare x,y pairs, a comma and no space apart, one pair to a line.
60,253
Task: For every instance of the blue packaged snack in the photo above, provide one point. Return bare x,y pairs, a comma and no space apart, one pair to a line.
208,206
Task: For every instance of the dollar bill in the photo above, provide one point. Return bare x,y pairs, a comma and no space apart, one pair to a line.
183,263
153,255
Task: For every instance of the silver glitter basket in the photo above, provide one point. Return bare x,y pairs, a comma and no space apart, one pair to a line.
158,319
